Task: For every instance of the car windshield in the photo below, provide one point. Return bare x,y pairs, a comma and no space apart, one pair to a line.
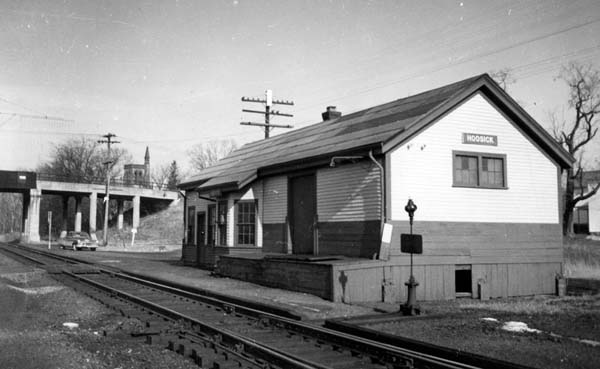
78,235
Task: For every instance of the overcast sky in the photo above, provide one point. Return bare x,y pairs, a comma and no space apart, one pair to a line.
170,74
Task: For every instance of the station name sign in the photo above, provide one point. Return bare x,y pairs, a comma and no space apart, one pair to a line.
478,139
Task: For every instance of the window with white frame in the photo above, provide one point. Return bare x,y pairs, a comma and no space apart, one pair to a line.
245,223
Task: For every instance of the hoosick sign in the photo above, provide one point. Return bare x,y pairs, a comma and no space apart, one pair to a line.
478,139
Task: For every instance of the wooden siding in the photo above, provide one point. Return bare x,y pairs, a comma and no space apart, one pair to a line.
437,282
482,243
275,199
354,239
274,238
302,277
422,169
349,192
189,254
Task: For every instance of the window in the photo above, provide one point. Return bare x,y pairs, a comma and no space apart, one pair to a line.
212,220
246,223
462,280
581,220
222,222
191,225
479,170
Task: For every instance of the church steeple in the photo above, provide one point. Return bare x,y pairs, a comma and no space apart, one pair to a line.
147,156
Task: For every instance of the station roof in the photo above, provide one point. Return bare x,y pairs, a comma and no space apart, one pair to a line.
378,129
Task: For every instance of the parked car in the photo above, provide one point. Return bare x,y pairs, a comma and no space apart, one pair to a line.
77,241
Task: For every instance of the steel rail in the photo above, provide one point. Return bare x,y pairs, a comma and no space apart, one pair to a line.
371,347
255,347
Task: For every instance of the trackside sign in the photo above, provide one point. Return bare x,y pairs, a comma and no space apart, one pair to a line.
478,139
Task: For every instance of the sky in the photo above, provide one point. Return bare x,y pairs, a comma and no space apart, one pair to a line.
171,74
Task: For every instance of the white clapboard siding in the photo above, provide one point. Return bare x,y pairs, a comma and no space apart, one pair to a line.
593,204
350,192
275,199
422,169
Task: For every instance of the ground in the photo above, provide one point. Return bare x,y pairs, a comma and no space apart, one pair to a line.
32,335
560,332
33,309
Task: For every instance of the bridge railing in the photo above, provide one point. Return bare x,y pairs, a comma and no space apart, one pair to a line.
102,181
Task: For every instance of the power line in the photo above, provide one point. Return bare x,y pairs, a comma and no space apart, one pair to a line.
462,61
268,101
44,117
108,161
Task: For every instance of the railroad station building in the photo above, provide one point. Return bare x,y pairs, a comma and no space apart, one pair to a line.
305,210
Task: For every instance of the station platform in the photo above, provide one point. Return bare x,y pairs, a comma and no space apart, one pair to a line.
168,266
332,277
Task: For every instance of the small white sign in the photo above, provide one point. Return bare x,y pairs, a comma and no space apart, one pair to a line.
479,139
133,230
49,217
387,233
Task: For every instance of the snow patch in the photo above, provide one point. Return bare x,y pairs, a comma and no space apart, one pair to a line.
37,290
70,325
519,327
494,320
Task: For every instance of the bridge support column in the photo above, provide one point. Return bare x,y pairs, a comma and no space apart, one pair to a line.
77,213
65,216
93,204
31,215
136,212
120,214
25,214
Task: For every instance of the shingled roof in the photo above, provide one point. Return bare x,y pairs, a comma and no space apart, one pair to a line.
378,129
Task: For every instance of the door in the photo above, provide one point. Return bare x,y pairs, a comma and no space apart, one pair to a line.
201,228
201,231
302,213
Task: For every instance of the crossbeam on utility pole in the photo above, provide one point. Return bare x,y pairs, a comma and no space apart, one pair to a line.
108,161
268,101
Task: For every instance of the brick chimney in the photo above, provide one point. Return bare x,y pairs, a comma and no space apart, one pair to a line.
331,113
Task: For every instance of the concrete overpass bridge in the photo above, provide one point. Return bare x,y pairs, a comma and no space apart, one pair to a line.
34,185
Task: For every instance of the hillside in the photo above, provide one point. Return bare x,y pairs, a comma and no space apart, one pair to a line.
164,228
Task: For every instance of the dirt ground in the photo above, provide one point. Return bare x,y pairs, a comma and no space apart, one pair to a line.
33,309
559,332
564,323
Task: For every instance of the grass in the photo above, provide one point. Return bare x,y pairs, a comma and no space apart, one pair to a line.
582,258
531,305
164,228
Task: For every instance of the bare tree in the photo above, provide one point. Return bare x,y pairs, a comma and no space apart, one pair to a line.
206,154
83,159
160,174
503,77
10,212
166,175
584,101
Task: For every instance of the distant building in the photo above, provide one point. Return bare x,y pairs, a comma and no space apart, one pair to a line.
586,216
304,210
138,174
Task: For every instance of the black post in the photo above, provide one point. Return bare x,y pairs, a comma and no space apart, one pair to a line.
411,308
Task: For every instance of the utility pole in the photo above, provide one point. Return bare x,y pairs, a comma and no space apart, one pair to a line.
268,101
108,161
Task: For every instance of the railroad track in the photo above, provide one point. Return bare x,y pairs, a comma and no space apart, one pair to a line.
225,333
